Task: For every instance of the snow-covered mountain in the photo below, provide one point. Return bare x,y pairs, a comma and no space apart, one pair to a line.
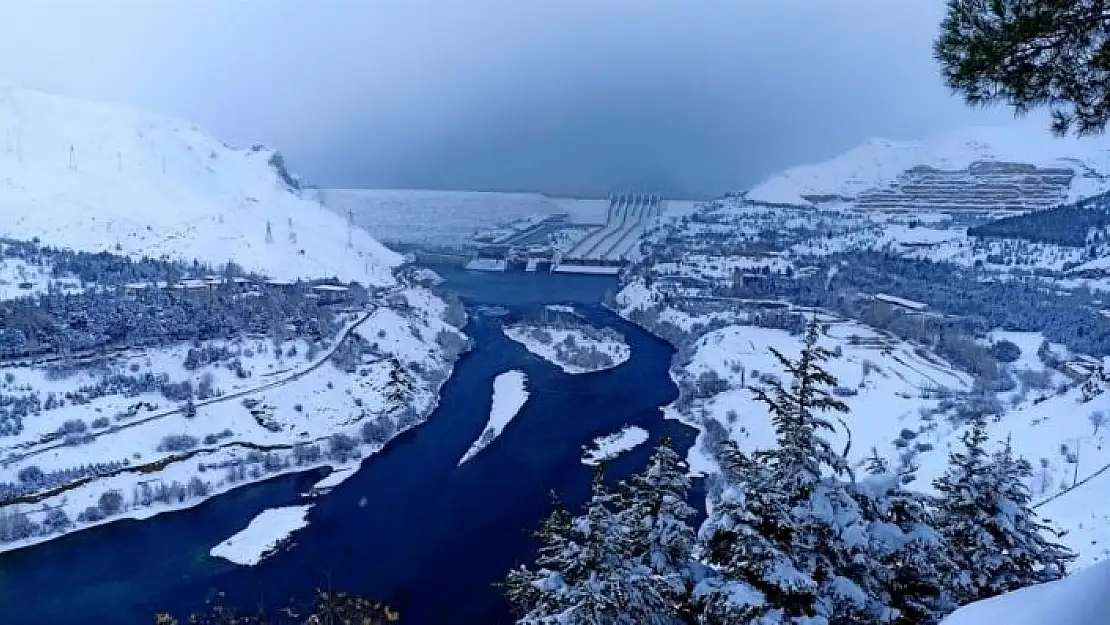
97,177
313,377
879,164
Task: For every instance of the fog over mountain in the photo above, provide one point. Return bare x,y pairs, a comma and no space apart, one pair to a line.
571,97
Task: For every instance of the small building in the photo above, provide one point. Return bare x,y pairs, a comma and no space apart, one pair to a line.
901,302
193,285
135,288
751,277
285,286
1078,371
331,293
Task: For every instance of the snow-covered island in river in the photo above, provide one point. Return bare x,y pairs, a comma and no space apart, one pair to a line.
572,345
609,446
509,396
262,536
150,359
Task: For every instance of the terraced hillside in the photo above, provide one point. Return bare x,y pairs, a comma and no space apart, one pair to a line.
983,185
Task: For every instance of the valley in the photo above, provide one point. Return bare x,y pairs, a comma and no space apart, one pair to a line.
412,509
256,376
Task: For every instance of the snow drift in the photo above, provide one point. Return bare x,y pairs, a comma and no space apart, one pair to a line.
1080,599
98,177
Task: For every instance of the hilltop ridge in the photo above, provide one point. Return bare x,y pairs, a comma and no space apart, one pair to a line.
96,177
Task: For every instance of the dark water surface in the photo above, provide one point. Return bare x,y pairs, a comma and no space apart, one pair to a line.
431,537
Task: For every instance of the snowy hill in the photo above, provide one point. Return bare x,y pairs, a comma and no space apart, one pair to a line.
878,164
1077,600
105,178
179,388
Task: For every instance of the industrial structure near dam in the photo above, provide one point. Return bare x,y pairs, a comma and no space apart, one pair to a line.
554,243
613,244
492,231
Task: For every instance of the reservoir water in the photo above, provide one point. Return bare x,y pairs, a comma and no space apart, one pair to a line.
430,537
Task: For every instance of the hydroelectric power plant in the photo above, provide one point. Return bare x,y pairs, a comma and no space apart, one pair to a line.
608,248
507,232
556,244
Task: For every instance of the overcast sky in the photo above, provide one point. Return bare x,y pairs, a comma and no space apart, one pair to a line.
550,94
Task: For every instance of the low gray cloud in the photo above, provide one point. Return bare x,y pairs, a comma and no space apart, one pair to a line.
571,96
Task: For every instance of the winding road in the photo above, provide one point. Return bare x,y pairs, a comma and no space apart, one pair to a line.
285,379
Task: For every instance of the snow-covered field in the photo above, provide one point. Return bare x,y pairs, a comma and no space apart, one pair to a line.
258,539
509,396
609,446
884,394
887,384
562,347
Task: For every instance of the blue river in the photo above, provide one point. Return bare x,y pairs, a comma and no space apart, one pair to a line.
430,538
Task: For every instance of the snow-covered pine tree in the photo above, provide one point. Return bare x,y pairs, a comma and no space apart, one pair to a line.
1031,557
654,513
916,561
742,539
961,516
797,414
533,592
984,513
876,464
585,573
786,536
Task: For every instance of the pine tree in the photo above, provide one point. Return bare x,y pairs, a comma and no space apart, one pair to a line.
1030,54
984,513
876,464
746,539
532,592
786,535
586,574
655,514
916,560
1031,557
960,514
796,413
